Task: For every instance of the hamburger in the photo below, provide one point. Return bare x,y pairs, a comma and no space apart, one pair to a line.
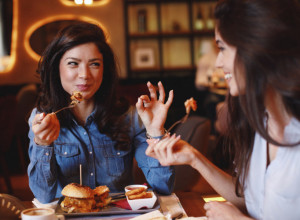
102,197
78,199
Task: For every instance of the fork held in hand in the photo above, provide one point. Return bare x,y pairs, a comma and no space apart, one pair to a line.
69,106
182,120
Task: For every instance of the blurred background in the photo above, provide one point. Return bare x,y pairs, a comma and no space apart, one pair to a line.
154,40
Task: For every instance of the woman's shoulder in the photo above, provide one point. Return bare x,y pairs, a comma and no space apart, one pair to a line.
292,131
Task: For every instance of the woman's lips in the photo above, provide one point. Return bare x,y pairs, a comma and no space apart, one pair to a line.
83,87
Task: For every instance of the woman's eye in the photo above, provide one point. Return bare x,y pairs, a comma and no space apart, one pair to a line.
221,48
95,64
72,63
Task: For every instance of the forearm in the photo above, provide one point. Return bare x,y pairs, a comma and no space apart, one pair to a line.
218,179
42,173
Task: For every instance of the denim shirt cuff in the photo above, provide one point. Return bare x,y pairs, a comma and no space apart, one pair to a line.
43,153
152,162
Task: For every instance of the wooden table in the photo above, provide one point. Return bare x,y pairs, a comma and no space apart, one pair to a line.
192,203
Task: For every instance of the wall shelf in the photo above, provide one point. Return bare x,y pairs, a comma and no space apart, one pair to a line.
163,36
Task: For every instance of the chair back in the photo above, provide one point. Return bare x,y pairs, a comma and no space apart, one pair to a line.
196,131
26,99
7,120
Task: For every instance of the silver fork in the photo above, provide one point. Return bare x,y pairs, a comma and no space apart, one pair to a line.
71,105
182,120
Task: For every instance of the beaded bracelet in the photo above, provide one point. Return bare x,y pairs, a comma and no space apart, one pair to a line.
157,137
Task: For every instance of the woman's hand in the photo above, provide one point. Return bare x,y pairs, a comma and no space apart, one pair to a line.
45,128
171,150
153,111
223,211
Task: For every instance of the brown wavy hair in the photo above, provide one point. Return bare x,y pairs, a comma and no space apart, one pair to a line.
266,34
110,110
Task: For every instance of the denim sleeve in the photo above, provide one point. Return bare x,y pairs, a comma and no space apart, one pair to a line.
41,170
161,178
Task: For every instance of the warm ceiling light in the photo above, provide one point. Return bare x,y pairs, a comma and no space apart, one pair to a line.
11,60
78,2
84,2
88,2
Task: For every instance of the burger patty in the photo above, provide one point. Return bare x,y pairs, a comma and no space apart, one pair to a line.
78,205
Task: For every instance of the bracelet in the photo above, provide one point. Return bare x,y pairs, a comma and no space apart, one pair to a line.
157,137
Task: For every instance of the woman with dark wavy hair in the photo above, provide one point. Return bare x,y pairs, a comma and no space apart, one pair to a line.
102,132
259,52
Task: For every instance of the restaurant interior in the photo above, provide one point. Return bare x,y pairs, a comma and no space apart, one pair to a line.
160,40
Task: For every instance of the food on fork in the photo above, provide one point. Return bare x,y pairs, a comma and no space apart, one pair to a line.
81,199
190,103
102,197
76,97
138,193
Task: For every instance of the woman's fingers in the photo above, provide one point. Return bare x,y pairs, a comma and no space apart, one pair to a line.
164,150
161,92
170,150
152,91
170,99
47,129
150,148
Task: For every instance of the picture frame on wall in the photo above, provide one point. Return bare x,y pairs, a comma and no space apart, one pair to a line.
144,57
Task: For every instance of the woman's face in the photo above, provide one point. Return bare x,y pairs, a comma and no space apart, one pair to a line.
225,60
81,69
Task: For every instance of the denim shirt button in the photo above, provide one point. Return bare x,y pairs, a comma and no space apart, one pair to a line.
47,154
65,153
92,174
84,133
91,152
118,153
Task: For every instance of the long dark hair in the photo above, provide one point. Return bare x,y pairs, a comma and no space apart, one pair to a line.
110,111
266,34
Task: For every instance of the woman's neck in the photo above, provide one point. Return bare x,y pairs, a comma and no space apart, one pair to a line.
278,116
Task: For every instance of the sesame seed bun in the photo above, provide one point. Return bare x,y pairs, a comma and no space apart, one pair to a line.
76,190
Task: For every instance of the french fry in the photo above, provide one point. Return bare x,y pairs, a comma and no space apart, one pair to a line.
139,193
135,191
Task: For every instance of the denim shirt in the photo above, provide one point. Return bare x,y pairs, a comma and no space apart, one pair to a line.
54,166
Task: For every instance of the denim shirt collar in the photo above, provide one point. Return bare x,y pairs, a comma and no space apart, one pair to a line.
90,119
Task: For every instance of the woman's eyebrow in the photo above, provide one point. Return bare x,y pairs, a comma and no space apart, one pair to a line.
94,59
218,42
72,58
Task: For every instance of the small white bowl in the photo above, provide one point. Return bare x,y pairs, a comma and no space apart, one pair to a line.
137,204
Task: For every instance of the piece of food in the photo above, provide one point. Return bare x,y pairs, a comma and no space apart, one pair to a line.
78,199
135,191
138,193
102,197
76,97
143,195
190,103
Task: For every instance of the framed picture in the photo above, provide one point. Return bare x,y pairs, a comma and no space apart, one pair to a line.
144,57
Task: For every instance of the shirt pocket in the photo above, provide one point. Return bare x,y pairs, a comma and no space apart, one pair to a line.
67,157
118,162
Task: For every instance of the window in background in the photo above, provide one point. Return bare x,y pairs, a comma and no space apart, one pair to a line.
5,32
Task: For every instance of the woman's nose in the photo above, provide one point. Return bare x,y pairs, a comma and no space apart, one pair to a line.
219,61
83,72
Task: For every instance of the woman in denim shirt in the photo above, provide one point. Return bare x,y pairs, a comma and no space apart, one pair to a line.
102,133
